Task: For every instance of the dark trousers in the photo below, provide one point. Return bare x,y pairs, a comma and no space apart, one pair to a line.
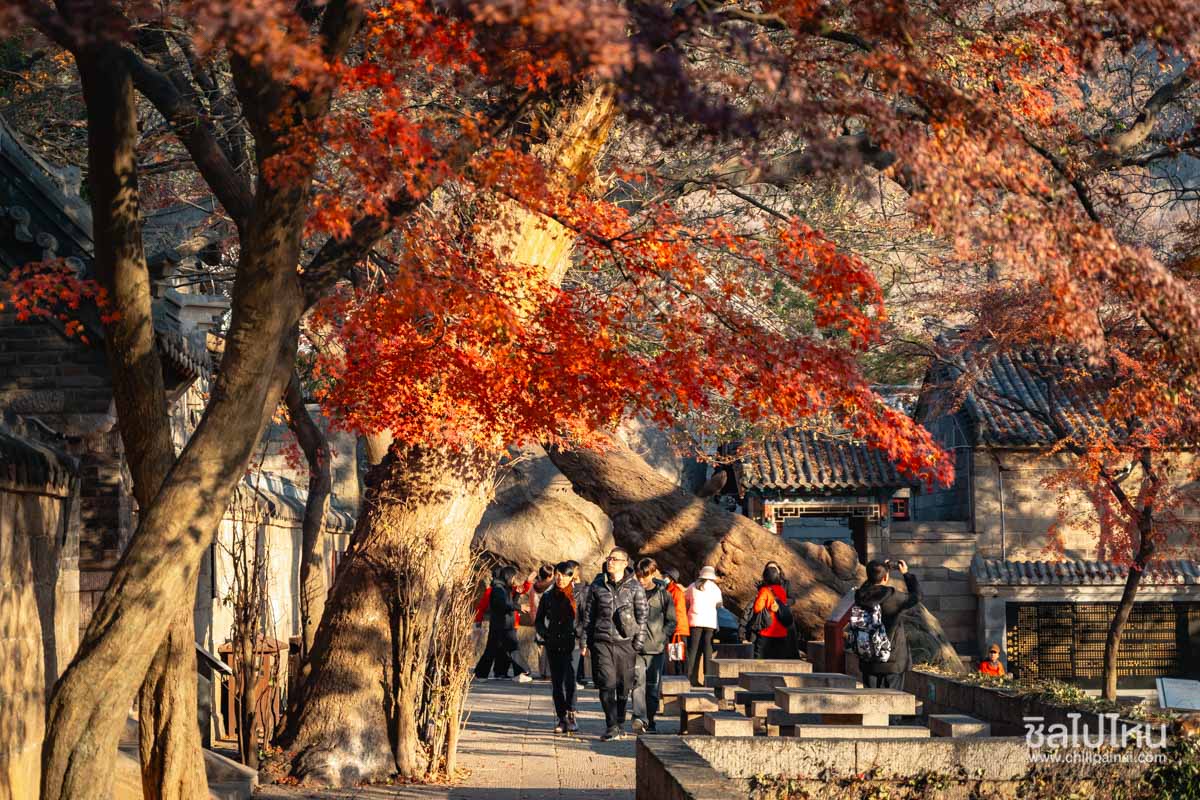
773,647
562,678
614,674
700,639
499,652
885,680
648,673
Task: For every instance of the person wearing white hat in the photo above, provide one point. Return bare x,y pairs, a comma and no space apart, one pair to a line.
703,600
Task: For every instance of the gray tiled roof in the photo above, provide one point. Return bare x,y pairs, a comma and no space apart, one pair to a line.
286,500
994,572
1010,402
807,461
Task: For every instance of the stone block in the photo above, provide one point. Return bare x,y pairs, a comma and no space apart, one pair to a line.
859,732
727,692
727,723
730,668
733,651
845,701
742,696
757,709
770,681
674,684
958,725
696,702
778,717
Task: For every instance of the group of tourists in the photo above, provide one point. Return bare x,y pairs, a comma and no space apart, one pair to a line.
631,624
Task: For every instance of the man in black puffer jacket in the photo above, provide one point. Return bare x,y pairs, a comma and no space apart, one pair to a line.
613,625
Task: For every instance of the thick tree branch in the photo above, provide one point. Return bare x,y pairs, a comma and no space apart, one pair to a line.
1117,144
197,136
320,486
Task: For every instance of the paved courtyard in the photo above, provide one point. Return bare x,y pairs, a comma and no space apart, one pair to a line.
508,752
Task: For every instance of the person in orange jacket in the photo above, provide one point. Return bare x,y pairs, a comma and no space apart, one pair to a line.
991,665
681,619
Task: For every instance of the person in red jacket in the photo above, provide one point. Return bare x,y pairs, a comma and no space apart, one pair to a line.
681,619
771,617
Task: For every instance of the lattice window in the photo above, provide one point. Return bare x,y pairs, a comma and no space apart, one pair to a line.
1066,640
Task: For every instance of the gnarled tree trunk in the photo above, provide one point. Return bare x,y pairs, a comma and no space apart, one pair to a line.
413,539
169,739
355,718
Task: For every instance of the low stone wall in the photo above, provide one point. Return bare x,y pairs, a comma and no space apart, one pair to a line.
941,694
757,768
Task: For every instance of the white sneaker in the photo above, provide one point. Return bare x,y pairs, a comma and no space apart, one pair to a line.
524,678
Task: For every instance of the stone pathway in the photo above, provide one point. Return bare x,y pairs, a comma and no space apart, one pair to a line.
510,753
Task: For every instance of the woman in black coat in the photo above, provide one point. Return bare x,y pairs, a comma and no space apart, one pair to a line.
557,615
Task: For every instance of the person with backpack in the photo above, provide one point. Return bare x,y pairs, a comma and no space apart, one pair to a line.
613,624
703,600
555,623
502,644
660,625
770,618
875,633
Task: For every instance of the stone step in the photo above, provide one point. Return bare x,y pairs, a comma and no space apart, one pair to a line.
958,725
727,723
770,681
853,731
866,702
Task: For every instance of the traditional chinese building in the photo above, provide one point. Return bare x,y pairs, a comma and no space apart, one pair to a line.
1048,610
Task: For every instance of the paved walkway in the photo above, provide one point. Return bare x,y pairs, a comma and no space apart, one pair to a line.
509,752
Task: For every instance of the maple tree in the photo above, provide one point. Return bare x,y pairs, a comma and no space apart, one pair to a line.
370,143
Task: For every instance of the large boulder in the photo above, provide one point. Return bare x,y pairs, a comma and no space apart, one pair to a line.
536,518
652,516
927,642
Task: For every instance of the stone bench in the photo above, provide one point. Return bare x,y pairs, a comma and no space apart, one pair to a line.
726,671
846,706
693,705
958,725
727,723
855,732
770,681
727,651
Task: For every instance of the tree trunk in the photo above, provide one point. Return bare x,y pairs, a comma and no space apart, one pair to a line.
1112,643
652,516
320,487
356,716
169,741
157,573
